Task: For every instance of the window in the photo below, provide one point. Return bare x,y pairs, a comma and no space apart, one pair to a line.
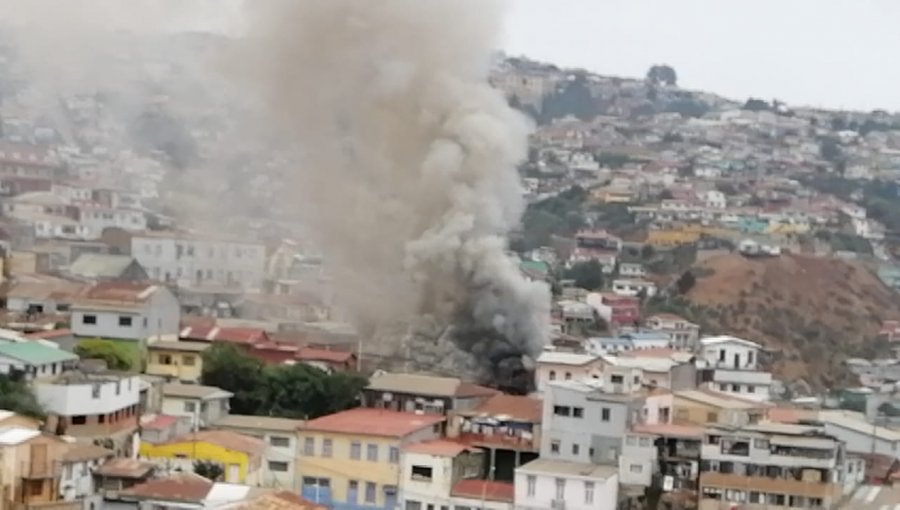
562,410
554,447
62,307
413,505
277,466
604,414
188,360
124,321
560,488
370,492
616,379
326,448
588,493
636,468
101,418
394,454
89,319
645,441
711,417
723,387
421,473
568,376
578,412
736,388
79,420
552,375
575,448
355,450
532,484
309,446
630,440
164,359
761,444
280,441
190,407
372,453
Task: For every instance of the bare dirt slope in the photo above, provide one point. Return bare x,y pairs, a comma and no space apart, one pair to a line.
812,313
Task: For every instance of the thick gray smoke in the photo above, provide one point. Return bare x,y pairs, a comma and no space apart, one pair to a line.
407,161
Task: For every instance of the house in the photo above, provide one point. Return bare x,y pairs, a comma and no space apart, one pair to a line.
240,456
665,457
713,199
584,424
11,419
565,366
125,310
327,359
205,405
634,288
162,428
63,338
485,494
644,340
91,407
771,464
608,345
34,359
507,427
684,334
549,483
179,490
425,393
96,267
598,239
352,457
615,309
430,470
120,474
239,336
731,365
701,407
632,270
198,261
30,473
279,467
38,294
176,361
858,434
77,474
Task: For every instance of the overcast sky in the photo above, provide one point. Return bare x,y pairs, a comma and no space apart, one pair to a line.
831,53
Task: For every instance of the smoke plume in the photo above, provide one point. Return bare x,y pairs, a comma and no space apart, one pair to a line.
405,162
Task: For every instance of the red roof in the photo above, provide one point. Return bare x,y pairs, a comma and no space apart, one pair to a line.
235,335
517,407
483,489
187,487
52,333
438,448
373,422
314,354
160,422
120,292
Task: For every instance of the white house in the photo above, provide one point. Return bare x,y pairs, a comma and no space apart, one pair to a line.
125,310
34,359
629,287
714,199
632,269
444,474
544,484
731,365
565,366
95,217
76,481
196,261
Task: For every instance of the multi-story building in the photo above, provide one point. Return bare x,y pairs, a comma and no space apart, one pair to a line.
89,407
31,470
351,459
204,405
701,407
176,361
771,465
565,366
683,334
240,456
195,261
732,366
128,311
665,457
616,310
77,479
279,468
423,393
557,484
34,359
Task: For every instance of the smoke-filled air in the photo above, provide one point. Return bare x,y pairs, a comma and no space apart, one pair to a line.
405,171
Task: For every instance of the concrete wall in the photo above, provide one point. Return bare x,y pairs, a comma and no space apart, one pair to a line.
89,398
605,492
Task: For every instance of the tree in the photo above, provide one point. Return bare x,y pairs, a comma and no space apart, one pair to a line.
224,366
303,392
647,251
209,469
574,98
16,396
756,105
662,75
686,282
587,275
830,150
115,356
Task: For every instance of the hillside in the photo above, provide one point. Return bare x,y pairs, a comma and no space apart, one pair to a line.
812,313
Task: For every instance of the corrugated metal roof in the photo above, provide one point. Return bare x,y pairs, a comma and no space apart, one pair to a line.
98,265
35,353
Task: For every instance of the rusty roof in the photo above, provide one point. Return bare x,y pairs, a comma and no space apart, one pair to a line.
373,422
226,439
121,467
483,489
187,487
511,407
438,448
79,452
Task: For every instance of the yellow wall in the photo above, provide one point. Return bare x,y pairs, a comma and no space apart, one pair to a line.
248,472
340,468
694,412
671,237
177,369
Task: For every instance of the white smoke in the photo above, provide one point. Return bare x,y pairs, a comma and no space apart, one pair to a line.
407,177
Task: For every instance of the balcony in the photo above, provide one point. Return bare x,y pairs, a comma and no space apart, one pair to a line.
770,485
501,441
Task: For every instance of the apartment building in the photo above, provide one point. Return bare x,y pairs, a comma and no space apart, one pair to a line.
204,405
93,406
683,333
125,310
770,465
731,365
665,457
545,484
196,261
176,361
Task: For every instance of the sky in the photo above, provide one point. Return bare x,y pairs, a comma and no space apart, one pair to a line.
840,54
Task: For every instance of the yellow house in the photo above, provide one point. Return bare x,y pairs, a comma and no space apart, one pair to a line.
672,237
351,459
709,407
181,361
240,456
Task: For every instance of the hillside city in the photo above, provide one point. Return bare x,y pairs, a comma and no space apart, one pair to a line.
724,314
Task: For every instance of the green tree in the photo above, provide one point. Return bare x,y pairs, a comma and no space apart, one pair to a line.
16,396
208,469
115,356
686,282
303,391
756,105
662,74
587,275
226,367
573,98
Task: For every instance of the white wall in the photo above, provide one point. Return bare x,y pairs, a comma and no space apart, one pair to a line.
79,399
437,491
712,354
159,315
638,460
605,492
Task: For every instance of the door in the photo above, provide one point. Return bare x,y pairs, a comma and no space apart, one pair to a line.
352,492
234,474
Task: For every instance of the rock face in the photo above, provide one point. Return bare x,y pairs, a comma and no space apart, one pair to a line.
812,313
